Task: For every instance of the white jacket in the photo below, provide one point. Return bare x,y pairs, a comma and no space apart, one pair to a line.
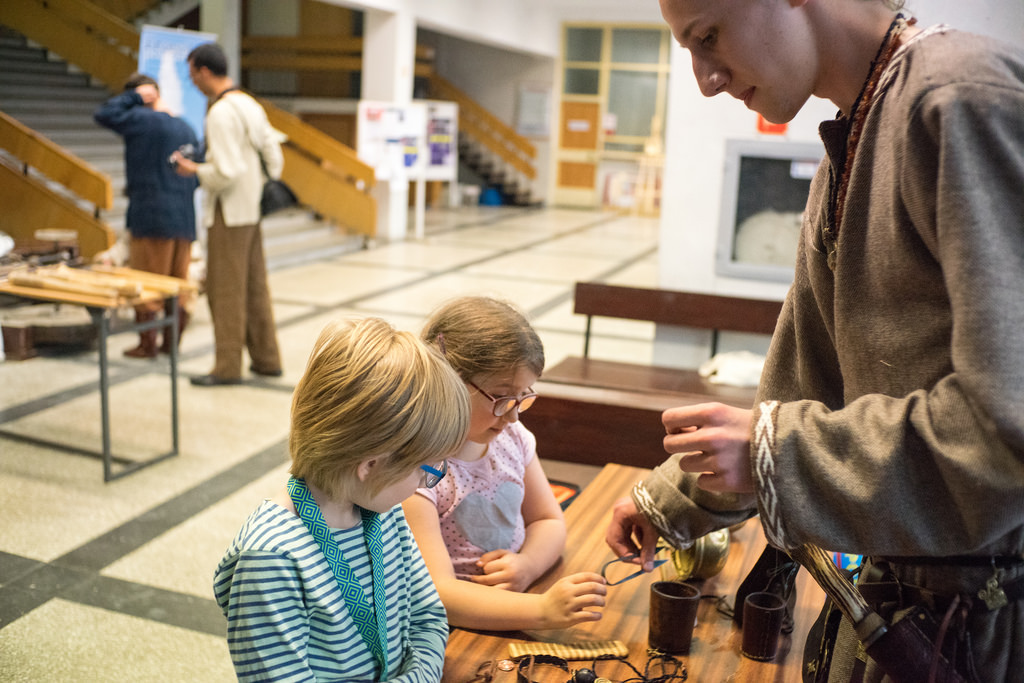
235,124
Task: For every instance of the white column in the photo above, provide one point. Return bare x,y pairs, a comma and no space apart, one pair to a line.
224,17
389,57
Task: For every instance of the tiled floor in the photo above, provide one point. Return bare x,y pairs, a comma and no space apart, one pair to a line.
103,582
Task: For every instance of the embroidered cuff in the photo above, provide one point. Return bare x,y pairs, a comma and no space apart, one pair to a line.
764,472
645,504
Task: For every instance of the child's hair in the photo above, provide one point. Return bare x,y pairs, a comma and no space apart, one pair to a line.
484,336
137,79
370,390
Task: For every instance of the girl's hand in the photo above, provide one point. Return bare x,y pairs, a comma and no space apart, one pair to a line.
571,600
507,570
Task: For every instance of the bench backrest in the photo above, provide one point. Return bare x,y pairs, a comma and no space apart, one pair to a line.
670,307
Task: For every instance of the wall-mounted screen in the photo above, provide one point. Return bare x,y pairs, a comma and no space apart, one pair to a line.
764,192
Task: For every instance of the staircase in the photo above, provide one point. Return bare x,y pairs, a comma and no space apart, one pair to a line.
58,101
477,166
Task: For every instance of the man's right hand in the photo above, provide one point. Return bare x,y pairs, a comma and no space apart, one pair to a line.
628,528
183,166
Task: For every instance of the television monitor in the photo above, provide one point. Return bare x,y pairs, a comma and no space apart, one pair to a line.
764,192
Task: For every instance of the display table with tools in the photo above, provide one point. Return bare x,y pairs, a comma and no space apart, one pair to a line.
102,290
715,650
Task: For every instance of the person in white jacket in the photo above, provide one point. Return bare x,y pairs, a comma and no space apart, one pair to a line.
232,175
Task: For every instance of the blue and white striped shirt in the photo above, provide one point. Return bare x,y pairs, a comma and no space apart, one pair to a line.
287,619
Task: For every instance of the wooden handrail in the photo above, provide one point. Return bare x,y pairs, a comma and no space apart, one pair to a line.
335,157
56,163
321,169
472,109
92,39
487,129
336,45
317,53
270,61
496,144
302,44
326,174
30,205
95,19
127,9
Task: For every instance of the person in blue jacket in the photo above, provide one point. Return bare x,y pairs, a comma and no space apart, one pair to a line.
161,215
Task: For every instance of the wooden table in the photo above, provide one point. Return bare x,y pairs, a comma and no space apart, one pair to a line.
715,653
102,309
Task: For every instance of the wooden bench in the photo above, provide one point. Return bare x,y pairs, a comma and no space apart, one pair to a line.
596,411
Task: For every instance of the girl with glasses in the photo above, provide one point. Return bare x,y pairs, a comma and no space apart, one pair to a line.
492,526
324,581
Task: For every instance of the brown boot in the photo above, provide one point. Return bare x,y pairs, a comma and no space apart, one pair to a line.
147,338
183,318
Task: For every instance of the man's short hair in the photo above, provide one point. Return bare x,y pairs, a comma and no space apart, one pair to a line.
210,55
137,79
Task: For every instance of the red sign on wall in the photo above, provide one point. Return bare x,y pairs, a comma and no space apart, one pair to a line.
765,126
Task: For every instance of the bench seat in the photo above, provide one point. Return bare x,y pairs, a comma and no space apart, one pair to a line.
633,377
595,412
598,411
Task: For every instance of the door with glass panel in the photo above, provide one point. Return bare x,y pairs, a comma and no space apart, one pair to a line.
613,91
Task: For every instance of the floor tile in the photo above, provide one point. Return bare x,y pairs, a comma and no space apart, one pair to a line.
92,644
183,559
112,581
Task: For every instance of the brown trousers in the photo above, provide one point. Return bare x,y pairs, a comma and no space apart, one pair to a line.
236,289
163,257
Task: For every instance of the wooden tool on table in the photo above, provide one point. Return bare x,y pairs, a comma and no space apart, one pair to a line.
57,284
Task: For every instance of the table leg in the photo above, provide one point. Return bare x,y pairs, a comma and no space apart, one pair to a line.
173,329
99,316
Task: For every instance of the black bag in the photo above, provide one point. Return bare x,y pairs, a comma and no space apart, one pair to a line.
276,196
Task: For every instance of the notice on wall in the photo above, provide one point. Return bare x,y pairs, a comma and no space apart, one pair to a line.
578,125
533,115
409,142
163,56
392,139
442,161
610,123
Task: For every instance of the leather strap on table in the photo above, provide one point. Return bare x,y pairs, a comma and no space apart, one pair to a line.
524,674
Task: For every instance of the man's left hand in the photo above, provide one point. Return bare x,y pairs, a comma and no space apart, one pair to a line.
715,441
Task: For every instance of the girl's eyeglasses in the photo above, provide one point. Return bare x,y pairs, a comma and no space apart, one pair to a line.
432,476
502,405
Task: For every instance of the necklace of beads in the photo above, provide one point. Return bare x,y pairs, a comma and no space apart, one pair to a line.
862,106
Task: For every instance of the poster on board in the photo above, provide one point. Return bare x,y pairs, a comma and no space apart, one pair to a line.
163,55
442,141
392,139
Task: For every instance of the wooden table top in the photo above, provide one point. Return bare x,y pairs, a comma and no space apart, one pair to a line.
715,652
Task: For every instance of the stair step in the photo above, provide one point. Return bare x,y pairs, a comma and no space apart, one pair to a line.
53,93
87,141
23,53
10,63
58,102
54,77
18,107
295,236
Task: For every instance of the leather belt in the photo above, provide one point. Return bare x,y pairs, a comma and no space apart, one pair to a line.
906,595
